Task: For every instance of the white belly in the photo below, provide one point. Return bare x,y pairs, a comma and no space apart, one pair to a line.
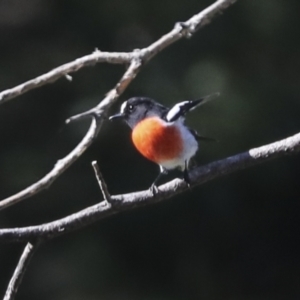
189,149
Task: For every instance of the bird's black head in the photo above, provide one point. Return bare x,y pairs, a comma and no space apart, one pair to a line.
136,109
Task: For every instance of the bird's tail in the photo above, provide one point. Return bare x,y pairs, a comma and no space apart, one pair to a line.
203,100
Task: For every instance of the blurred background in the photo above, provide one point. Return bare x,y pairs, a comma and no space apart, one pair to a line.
234,238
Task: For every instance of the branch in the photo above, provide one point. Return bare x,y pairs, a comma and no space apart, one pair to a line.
183,29
17,277
64,70
68,160
57,170
200,175
135,58
101,182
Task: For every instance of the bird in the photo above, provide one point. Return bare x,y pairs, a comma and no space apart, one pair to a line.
159,133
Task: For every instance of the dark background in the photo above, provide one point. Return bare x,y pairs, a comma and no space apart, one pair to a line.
233,238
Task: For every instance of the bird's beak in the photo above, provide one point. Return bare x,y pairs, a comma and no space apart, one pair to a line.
117,116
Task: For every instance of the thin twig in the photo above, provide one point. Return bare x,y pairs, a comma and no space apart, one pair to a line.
123,202
22,265
136,58
61,71
101,182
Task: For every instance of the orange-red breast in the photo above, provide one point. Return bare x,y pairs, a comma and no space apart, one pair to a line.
159,133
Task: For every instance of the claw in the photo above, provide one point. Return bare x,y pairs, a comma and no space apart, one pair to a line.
186,176
154,189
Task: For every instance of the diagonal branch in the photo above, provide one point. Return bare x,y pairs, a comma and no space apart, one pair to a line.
17,277
199,175
135,58
113,95
57,170
184,29
68,160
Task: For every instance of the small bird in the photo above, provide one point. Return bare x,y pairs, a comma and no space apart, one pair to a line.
160,135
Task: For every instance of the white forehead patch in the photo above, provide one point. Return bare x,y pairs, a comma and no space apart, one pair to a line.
176,111
123,107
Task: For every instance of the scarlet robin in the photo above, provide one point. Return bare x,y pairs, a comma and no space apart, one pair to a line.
159,133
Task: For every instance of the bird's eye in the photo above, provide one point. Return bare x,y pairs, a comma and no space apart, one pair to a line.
130,107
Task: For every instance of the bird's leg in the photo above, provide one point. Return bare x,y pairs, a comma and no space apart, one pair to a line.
186,176
153,187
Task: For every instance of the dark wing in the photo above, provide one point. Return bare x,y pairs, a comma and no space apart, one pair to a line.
180,109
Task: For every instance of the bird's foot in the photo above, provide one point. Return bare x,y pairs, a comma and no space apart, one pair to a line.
186,177
154,189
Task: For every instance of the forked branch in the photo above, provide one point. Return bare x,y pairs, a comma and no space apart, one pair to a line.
183,29
135,59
